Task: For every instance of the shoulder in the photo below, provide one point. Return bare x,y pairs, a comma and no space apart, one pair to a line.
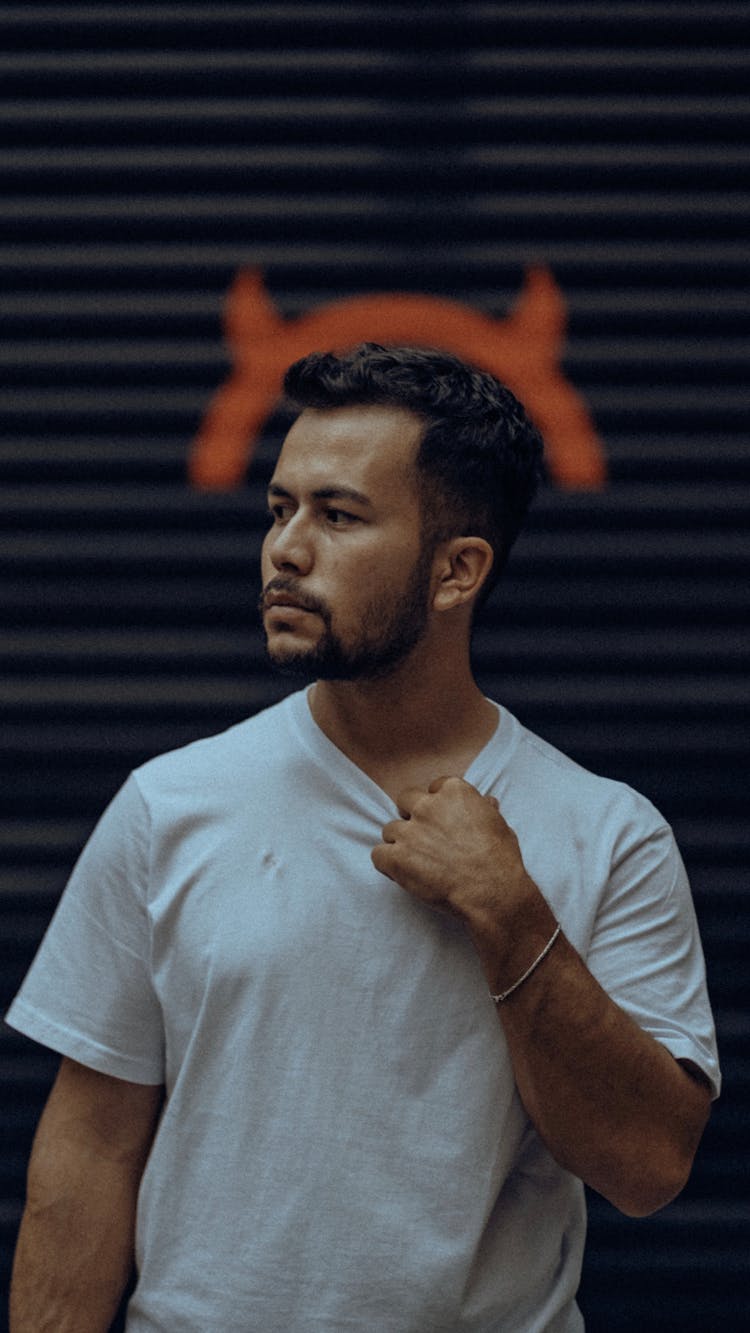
222,762
597,848
562,788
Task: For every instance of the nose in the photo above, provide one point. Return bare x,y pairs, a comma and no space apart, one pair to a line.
290,547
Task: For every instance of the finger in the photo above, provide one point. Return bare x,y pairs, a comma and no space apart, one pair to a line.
380,858
407,799
390,831
437,783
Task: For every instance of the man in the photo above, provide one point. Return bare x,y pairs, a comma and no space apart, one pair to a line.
354,997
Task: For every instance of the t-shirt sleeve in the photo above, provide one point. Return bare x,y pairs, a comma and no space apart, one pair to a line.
646,951
89,992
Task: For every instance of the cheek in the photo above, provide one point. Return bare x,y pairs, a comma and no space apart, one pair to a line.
387,563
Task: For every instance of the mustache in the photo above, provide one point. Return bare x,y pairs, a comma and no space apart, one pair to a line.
283,584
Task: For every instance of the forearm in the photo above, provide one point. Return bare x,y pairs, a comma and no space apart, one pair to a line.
75,1247
611,1103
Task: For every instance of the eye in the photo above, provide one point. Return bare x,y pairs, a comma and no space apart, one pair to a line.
339,518
279,511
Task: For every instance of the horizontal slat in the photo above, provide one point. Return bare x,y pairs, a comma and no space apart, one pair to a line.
686,353
591,363
28,885
110,459
637,458
561,207
696,408
604,303
103,353
181,647
614,650
579,157
622,503
585,692
621,254
51,839
191,16
624,353
143,405
326,60
68,63
103,306
529,595
693,551
620,649
554,111
343,68
608,60
367,112
140,16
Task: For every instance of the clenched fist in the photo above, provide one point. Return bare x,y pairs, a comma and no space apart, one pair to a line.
453,850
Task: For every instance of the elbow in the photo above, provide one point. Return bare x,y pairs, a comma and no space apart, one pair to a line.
645,1200
659,1169
651,1186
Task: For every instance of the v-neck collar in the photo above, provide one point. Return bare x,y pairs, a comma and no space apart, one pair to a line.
482,772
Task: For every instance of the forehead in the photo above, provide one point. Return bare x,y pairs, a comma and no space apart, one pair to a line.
371,448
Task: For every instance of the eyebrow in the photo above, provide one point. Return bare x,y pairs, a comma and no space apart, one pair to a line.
326,493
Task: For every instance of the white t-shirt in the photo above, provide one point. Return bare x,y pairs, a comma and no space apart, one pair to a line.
343,1146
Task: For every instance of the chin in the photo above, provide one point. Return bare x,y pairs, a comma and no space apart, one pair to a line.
284,642
291,660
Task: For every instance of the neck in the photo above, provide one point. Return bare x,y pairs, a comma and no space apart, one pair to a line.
429,705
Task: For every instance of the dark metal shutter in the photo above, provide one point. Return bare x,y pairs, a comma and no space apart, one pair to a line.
149,150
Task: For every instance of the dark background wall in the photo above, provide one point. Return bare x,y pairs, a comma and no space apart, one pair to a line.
147,152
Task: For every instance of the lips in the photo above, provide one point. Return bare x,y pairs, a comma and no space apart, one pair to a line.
283,599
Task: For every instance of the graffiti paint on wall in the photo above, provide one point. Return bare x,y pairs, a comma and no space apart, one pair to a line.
524,351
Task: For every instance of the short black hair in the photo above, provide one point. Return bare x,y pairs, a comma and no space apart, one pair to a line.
479,461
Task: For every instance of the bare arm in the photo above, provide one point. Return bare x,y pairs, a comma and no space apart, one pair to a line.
611,1103
75,1246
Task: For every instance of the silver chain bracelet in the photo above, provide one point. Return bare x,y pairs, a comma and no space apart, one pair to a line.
505,993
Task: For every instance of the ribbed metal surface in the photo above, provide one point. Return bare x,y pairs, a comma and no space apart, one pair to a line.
149,151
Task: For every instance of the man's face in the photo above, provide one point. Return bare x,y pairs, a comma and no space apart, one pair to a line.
346,582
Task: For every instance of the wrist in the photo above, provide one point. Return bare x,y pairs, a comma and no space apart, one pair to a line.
504,995
508,943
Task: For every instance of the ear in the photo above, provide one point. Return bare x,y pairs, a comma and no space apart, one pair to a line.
461,568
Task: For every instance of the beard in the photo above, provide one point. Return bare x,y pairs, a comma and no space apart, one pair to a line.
390,627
